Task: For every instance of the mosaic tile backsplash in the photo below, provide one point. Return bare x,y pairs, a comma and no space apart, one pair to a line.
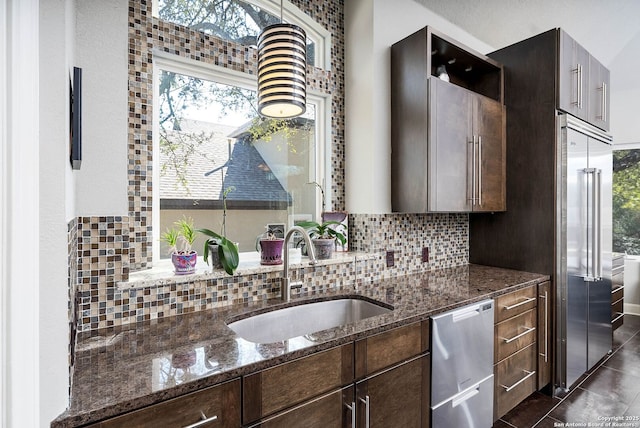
102,259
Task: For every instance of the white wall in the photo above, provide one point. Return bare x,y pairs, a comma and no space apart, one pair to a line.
56,185
101,52
371,27
625,93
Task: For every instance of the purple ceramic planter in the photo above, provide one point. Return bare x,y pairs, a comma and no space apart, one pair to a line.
184,264
271,251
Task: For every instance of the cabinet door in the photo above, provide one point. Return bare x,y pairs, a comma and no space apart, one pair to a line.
544,334
450,136
573,74
398,397
489,129
334,410
598,94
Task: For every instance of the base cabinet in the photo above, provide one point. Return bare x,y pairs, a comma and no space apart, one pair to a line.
617,291
515,349
333,410
544,334
379,381
398,397
217,406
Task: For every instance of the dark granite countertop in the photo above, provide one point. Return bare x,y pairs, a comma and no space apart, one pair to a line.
121,369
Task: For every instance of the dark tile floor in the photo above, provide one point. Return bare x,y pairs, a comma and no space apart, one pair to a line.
611,390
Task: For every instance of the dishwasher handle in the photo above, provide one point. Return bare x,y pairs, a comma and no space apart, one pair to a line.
470,311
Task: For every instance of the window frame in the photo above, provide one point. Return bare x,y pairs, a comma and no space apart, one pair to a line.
320,36
175,63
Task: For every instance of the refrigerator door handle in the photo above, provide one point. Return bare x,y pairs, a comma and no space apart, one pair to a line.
593,271
597,224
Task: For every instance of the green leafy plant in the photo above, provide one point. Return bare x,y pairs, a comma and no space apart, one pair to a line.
324,230
227,250
183,233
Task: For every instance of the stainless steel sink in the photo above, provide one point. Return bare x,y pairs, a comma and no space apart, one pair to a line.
307,318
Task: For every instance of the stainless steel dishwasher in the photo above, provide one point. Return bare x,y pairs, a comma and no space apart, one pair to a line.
462,367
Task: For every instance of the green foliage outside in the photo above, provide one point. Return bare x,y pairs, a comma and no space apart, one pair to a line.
626,201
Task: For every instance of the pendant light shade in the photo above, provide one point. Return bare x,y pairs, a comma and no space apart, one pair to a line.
282,66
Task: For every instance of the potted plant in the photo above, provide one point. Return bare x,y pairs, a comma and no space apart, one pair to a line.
270,248
324,236
180,239
224,253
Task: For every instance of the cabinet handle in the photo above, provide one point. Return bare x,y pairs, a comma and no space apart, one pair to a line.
202,422
545,296
527,331
479,170
604,102
352,408
580,86
367,409
528,375
473,172
524,302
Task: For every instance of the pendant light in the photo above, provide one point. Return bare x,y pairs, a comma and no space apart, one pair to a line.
282,66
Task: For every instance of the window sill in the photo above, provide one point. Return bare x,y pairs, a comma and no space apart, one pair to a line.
162,272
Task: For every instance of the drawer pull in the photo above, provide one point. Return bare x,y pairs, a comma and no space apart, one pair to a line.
524,302
527,331
528,375
202,422
621,314
615,290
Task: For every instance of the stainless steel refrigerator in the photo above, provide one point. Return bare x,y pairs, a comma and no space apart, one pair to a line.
584,229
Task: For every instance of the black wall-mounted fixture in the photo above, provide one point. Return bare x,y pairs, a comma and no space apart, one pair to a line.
75,117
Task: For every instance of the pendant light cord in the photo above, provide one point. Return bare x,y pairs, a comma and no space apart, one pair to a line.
281,11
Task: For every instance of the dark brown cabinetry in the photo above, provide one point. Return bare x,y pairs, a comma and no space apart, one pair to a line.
544,334
382,380
583,83
217,406
617,291
393,372
298,382
448,138
515,348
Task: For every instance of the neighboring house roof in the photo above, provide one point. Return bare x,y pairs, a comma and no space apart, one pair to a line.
246,169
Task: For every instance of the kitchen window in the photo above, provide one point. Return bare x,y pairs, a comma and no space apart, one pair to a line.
626,199
215,151
241,22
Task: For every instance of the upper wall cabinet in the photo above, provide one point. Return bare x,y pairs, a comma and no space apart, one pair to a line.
583,83
447,127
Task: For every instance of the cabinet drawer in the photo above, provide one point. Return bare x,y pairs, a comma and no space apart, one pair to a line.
327,411
617,308
515,380
515,303
220,403
277,388
617,294
515,334
391,347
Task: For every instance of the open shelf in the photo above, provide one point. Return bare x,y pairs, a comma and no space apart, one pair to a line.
465,68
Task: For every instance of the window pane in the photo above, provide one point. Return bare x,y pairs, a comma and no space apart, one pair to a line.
234,20
626,201
214,148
